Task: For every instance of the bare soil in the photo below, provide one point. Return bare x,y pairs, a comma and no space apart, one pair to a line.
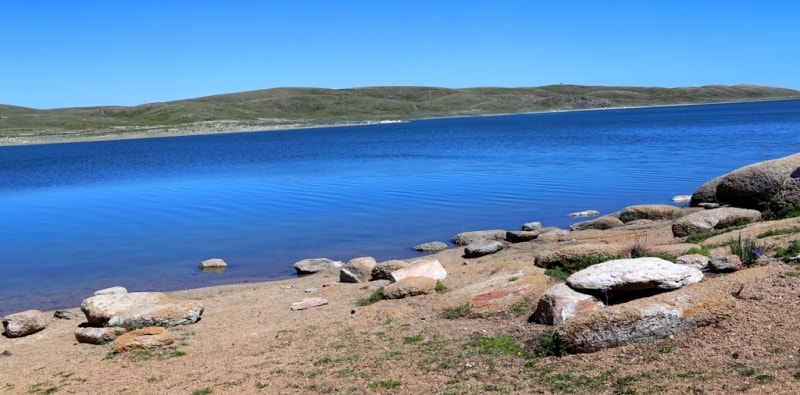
249,341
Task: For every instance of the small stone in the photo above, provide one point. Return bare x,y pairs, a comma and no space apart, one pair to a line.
308,303
96,335
725,263
65,315
482,247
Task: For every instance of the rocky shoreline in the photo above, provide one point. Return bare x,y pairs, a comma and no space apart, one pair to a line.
417,325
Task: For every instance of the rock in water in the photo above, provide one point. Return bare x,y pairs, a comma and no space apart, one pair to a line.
314,265
213,265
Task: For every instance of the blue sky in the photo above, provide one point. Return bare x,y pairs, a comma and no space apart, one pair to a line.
86,53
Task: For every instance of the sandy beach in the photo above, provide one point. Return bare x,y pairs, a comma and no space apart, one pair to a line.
249,341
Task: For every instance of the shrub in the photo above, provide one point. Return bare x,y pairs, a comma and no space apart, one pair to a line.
456,312
704,250
550,346
440,287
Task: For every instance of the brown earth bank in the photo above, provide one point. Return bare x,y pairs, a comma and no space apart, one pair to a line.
474,337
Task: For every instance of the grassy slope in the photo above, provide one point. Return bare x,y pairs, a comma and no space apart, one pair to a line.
310,106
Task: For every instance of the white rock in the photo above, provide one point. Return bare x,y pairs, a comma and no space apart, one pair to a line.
561,302
585,213
111,290
213,264
634,275
308,303
24,323
421,268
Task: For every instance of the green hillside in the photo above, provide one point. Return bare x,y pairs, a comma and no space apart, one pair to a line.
292,107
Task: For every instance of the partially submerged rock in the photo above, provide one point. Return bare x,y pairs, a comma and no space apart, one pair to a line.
432,246
602,223
465,238
585,213
314,265
213,265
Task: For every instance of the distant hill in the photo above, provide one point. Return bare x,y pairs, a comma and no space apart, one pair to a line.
292,107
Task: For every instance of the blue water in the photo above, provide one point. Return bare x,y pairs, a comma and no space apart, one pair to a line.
144,213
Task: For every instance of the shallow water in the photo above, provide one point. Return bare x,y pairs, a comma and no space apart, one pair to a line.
77,217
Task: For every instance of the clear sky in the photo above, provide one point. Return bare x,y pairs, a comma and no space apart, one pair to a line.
86,53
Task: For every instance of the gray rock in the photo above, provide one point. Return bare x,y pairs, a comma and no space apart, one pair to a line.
424,267
585,213
682,199
97,335
531,226
139,309
697,261
24,323
706,220
653,212
432,246
579,252
383,270
635,274
65,315
520,236
357,270
772,183
561,302
602,223
465,238
314,265
725,263
409,286
482,247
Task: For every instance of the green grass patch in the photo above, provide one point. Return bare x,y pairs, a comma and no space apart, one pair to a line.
502,345
456,312
387,384
412,339
779,232
704,250
550,346
557,273
372,298
440,287
789,252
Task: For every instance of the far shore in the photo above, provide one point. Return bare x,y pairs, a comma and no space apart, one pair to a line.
232,127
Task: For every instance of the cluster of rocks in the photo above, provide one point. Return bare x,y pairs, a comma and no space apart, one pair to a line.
405,278
128,321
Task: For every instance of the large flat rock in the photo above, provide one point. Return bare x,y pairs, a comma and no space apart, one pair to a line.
138,309
635,274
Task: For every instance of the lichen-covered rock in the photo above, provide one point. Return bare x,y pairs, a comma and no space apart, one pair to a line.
560,303
718,218
409,286
579,252
725,263
650,211
142,339
24,323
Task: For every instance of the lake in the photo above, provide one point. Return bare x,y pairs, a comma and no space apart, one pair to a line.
77,217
